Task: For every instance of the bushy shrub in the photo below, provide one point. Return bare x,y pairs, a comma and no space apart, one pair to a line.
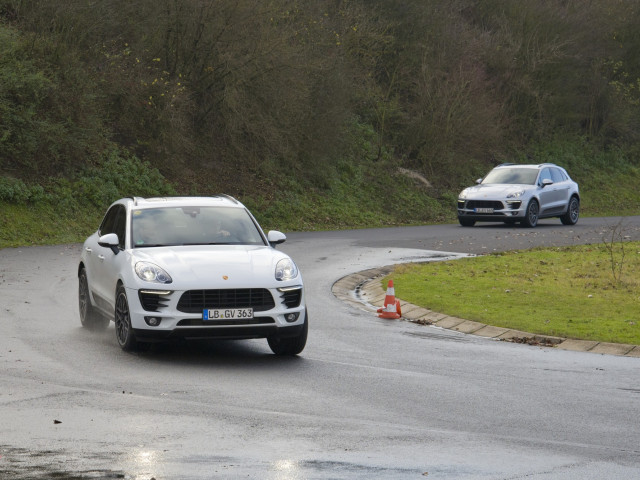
16,191
119,174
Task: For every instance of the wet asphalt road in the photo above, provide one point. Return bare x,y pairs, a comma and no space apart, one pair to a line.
368,398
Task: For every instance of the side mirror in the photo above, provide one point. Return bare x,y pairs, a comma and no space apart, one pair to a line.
275,238
110,240
546,182
479,181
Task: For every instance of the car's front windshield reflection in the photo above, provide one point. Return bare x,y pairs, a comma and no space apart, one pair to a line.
152,227
517,176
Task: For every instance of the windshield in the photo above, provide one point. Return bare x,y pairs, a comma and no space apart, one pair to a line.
156,227
521,176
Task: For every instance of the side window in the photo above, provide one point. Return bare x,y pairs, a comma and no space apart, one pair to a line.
120,226
115,222
107,225
545,175
557,176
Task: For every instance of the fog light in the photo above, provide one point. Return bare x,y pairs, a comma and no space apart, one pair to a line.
291,317
152,321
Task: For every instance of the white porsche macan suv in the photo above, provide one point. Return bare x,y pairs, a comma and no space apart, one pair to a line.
190,267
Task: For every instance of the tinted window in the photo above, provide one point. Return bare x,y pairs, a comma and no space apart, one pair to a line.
557,175
119,227
114,222
107,225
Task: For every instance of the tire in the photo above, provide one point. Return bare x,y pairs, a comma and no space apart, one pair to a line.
465,222
124,331
290,345
573,212
89,318
531,215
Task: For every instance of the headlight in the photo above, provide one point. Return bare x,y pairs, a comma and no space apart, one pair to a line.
517,194
152,273
286,270
463,194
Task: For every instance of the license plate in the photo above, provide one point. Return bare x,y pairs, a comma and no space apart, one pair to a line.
483,210
227,313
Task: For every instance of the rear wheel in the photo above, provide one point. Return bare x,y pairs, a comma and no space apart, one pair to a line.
290,345
573,212
531,216
124,331
88,316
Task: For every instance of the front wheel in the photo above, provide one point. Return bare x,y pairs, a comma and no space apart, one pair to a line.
573,212
89,318
465,222
531,215
124,331
290,345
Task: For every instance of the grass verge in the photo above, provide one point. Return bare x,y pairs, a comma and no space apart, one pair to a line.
589,292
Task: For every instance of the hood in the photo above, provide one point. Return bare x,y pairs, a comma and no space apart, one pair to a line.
494,190
215,266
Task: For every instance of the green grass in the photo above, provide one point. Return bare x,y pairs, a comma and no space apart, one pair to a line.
23,225
588,292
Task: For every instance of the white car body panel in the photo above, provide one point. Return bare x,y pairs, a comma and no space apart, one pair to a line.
206,266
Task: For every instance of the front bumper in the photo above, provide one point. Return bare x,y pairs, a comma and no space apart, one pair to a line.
164,319
227,333
491,210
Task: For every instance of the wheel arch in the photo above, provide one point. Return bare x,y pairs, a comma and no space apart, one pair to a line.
119,284
571,197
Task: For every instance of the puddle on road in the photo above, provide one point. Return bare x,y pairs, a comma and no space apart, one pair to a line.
23,464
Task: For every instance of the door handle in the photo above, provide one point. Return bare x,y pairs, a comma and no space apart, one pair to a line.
101,257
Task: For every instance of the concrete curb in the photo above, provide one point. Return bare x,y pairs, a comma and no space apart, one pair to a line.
363,289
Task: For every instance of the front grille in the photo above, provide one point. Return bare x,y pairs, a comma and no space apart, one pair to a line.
471,204
152,301
291,297
194,301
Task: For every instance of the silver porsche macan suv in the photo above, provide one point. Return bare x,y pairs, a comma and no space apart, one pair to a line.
513,193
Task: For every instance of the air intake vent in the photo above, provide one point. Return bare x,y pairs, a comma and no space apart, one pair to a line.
153,300
291,297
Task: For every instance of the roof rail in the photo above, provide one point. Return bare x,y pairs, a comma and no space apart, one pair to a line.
228,197
506,164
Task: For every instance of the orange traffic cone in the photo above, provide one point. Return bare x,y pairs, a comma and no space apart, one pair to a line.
391,307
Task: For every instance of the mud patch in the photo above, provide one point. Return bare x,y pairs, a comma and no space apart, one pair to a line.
440,336
538,341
